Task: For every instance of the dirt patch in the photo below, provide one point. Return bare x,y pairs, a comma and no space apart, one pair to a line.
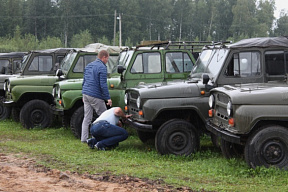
19,174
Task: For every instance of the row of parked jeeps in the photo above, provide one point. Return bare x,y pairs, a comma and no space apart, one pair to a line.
235,92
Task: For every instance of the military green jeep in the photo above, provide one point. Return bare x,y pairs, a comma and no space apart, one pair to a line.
252,120
31,97
155,62
174,113
36,62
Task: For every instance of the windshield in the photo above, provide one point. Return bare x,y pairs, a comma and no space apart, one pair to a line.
210,62
25,61
67,61
124,59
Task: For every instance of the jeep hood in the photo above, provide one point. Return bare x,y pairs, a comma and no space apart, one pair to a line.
71,84
260,94
171,89
33,80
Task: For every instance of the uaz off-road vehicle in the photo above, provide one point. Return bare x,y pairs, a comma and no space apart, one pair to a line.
253,120
156,62
36,62
175,113
32,96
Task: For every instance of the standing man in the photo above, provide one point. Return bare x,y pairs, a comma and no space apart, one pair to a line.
95,91
105,129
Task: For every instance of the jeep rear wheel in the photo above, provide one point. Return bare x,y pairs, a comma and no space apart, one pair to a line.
231,150
36,113
5,112
76,122
177,137
268,147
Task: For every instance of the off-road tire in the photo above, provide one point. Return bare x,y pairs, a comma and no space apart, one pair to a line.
5,112
76,122
36,113
177,137
268,147
231,150
15,114
66,119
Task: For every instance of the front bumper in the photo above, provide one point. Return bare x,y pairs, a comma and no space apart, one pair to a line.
56,111
140,126
223,133
8,103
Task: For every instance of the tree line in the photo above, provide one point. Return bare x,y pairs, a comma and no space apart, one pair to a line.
39,24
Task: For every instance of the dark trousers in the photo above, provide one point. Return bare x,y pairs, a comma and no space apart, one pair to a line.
108,135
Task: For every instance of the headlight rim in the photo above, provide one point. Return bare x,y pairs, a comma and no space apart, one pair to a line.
229,108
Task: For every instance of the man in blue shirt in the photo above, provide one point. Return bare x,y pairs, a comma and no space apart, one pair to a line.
95,91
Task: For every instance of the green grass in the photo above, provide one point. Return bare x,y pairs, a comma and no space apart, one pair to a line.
57,148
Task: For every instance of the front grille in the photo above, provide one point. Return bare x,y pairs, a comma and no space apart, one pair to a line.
221,117
222,98
133,109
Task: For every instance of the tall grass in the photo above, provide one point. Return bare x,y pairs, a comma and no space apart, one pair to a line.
207,169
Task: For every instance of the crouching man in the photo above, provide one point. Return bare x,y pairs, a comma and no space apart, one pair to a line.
105,130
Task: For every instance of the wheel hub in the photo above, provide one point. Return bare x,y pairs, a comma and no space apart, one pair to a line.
273,152
178,140
37,116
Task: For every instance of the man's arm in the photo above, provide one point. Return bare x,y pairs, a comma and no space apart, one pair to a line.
119,112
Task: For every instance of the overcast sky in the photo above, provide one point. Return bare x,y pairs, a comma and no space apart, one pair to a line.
280,4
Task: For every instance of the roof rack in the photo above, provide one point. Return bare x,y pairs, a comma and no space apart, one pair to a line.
194,46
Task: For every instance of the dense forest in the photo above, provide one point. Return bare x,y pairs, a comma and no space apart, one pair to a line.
39,24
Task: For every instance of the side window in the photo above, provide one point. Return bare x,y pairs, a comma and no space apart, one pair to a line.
244,64
147,63
3,66
274,62
41,63
153,63
16,66
45,63
138,64
82,62
178,62
79,67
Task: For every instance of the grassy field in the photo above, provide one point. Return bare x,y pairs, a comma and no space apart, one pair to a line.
206,170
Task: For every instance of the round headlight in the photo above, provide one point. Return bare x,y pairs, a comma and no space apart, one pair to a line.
229,108
53,91
126,98
138,102
59,93
4,86
211,101
8,86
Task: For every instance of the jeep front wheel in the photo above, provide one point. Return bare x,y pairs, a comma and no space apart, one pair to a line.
77,119
5,112
36,113
177,137
268,147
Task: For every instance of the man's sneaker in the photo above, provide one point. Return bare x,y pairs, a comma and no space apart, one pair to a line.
98,147
90,143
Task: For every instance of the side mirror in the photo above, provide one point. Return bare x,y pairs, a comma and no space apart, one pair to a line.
59,72
120,69
205,79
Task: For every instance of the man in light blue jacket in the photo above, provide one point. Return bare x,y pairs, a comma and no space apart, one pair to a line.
95,91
